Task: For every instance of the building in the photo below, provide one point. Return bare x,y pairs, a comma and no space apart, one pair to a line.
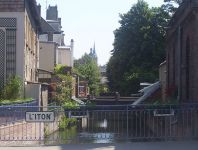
52,32
47,61
103,73
53,29
65,55
53,50
93,54
19,46
162,79
83,89
182,54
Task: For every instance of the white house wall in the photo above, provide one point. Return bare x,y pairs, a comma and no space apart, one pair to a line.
47,55
43,37
64,57
58,38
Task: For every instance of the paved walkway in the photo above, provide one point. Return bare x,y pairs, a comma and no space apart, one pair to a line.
191,145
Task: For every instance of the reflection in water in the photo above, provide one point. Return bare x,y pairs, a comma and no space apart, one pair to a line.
97,128
103,124
86,137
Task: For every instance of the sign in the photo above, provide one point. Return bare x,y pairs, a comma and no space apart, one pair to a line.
39,116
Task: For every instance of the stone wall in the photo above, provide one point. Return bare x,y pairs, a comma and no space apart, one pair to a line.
51,127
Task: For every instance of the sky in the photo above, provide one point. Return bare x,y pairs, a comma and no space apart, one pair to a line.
91,21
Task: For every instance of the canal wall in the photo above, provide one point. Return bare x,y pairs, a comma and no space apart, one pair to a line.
21,132
51,127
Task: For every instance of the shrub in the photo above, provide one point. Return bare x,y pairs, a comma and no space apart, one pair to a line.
66,122
12,89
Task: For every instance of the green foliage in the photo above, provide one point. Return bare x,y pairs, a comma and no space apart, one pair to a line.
62,84
171,6
61,69
63,88
174,1
90,104
139,48
71,105
87,68
15,101
66,122
103,88
12,89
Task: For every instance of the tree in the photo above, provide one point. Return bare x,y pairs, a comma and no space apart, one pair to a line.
138,48
63,85
89,70
174,1
171,5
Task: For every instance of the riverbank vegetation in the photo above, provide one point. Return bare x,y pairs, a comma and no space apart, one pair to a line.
66,123
62,87
88,69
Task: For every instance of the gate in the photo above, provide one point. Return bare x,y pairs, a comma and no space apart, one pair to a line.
98,124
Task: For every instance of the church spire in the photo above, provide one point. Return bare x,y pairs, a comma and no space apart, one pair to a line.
94,49
93,53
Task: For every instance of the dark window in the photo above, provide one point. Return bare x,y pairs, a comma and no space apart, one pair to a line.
10,52
50,36
31,75
2,58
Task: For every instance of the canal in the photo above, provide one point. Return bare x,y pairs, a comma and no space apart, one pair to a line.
126,123
98,127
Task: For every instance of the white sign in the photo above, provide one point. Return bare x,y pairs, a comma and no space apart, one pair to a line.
39,116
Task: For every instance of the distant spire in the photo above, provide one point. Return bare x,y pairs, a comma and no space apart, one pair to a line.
91,51
94,48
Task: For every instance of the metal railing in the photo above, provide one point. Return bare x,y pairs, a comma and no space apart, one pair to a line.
101,123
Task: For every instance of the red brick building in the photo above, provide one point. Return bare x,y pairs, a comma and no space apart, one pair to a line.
182,52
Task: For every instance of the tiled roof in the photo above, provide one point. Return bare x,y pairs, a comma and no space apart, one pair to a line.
46,27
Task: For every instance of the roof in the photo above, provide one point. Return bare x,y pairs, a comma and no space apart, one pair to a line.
163,63
32,7
52,21
147,92
46,27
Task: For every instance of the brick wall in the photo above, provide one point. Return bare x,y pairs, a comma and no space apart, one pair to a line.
183,73
11,5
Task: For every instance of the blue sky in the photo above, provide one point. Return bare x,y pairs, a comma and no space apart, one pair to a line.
89,21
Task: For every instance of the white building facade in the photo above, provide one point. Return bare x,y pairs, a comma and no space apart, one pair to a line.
19,44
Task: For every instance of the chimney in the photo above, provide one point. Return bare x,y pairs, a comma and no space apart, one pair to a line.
59,20
39,9
72,52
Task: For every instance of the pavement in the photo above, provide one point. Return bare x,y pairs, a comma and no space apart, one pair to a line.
190,145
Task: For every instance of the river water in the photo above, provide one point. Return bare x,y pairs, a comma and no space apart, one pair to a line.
100,127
